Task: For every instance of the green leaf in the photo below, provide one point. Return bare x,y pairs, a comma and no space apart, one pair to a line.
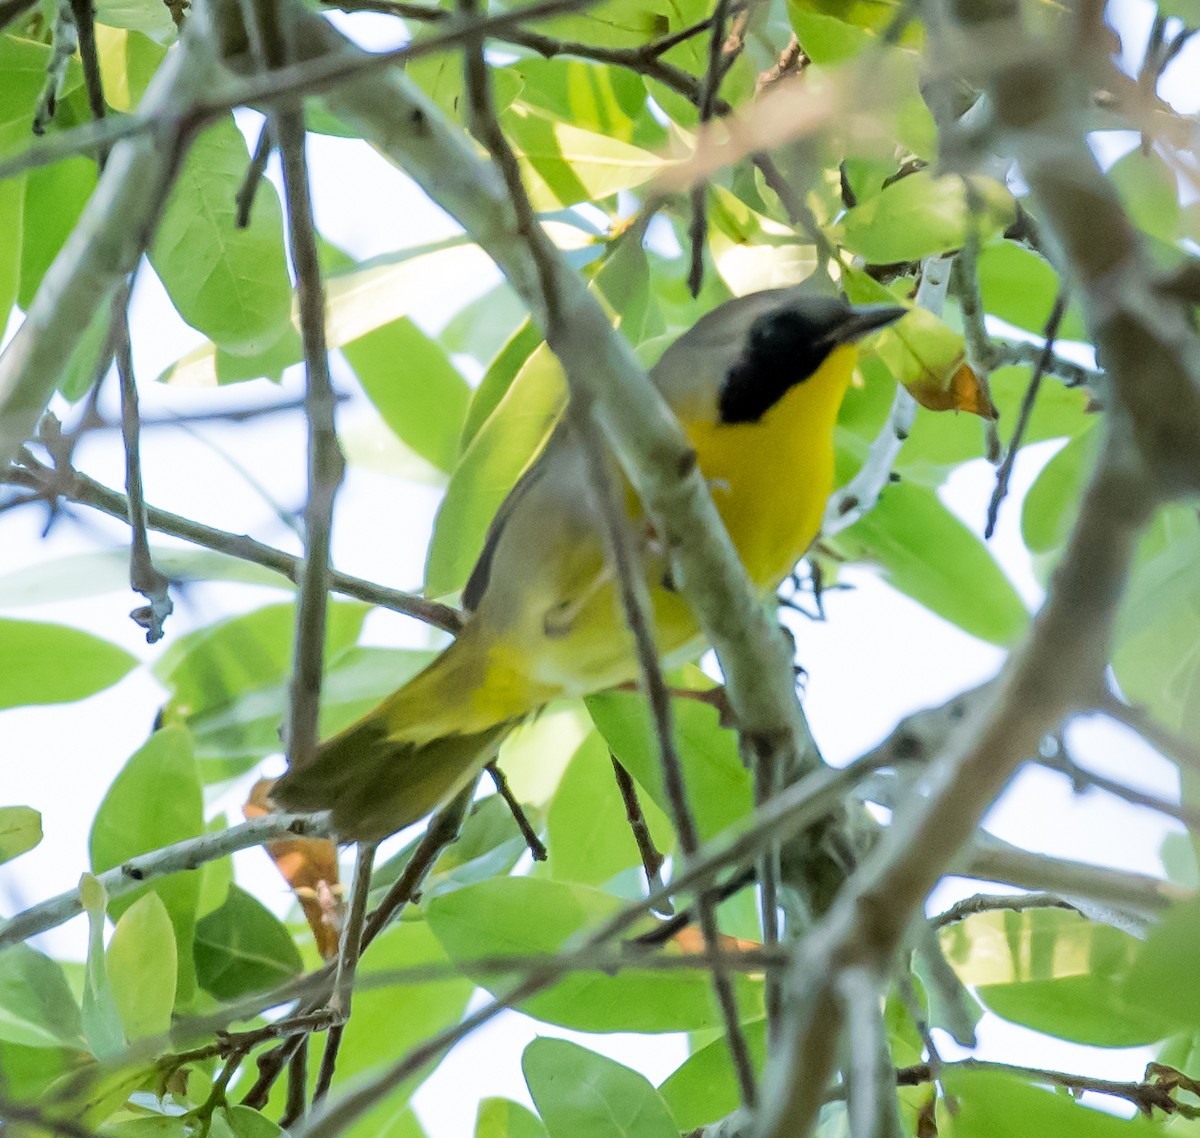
128,61
580,1094
998,1106
101,1020
440,76
1159,979
499,377
1149,192
20,830
357,300
50,663
939,441
526,915
245,1122
414,386
1050,507
54,198
1157,653
606,100
233,737
625,23
1056,972
590,841
142,967
162,772
148,1126
23,64
206,669
503,1118
403,1014
36,1005
704,1087
499,453
231,284
720,788
564,165
827,39
1018,285
145,16
921,215
242,948
928,554
29,1071
12,209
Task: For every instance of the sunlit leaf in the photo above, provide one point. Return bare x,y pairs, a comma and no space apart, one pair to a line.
922,215
230,283
162,772
50,663
20,830
142,966
101,1020
414,386
1054,971
525,915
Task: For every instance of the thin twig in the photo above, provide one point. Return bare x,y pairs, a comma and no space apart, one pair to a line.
1004,473
709,87
78,487
442,831
536,846
297,1087
652,860
1177,748
144,575
991,902
1082,779
329,1057
244,198
352,932
1144,1095
766,782
326,464
965,279
189,854
1024,352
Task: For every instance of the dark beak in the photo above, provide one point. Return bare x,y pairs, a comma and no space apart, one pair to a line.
865,319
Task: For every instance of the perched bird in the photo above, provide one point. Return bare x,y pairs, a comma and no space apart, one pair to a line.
756,385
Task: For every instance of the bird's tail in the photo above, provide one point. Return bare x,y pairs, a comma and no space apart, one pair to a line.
416,749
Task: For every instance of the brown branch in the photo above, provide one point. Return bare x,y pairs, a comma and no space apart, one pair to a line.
442,831
652,860
244,199
76,487
1049,334
144,576
993,902
536,846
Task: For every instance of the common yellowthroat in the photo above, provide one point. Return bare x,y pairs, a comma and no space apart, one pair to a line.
756,385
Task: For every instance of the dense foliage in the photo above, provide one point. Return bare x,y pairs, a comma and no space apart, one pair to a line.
874,155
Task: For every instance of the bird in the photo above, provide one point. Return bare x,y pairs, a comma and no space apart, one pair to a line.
756,384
